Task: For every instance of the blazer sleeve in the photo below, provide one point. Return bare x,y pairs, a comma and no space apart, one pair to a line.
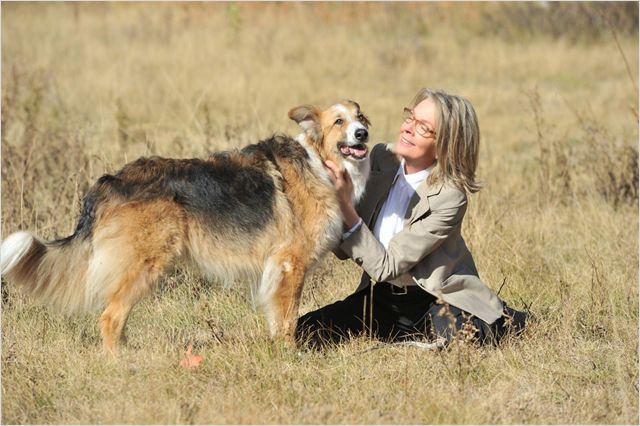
407,248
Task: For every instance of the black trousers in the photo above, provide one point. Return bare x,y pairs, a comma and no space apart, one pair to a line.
388,316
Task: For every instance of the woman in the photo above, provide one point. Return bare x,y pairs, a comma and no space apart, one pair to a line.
419,280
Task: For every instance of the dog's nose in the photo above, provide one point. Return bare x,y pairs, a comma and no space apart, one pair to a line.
362,135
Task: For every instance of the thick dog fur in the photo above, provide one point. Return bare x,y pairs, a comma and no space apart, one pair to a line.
266,213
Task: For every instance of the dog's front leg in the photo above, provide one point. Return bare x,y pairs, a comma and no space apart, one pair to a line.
282,286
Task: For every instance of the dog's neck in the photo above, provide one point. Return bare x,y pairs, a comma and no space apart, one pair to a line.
307,140
358,171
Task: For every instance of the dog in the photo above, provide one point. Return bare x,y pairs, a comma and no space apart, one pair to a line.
267,213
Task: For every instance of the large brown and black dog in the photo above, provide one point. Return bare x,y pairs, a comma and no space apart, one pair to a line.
266,213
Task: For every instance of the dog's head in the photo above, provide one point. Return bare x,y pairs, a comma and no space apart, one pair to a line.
339,132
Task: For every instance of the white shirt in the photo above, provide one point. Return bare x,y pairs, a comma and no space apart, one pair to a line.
391,218
390,221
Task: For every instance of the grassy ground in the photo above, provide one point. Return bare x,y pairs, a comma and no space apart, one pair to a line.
86,88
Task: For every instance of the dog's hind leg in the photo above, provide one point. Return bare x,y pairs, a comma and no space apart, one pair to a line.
132,249
139,279
281,290
131,288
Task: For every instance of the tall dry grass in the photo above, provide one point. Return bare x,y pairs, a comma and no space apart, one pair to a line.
88,87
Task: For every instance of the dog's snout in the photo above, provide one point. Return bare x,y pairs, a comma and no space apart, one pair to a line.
361,135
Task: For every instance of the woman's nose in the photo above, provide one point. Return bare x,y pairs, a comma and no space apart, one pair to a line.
407,127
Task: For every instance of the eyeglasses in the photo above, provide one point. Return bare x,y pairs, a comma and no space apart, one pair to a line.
422,127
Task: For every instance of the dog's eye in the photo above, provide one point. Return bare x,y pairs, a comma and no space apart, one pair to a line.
339,122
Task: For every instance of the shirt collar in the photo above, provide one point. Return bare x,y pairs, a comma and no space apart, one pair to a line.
413,179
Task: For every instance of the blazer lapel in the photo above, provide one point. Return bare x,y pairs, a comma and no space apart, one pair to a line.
419,204
378,187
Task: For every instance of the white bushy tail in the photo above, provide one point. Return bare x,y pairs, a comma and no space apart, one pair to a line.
54,272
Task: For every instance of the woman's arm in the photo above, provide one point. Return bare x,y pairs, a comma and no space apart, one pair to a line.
409,246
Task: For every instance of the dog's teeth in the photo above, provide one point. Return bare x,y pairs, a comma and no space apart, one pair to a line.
356,151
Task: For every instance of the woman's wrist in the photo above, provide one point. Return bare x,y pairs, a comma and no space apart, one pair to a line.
349,231
350,217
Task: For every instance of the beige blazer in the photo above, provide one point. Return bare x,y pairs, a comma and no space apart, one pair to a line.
430,247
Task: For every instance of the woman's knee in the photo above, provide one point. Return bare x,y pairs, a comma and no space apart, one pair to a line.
332,323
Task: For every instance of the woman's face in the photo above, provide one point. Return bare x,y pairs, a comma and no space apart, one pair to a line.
417,140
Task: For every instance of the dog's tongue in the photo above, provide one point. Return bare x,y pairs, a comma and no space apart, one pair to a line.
356,150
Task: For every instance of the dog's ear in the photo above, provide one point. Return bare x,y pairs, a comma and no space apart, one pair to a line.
307,117
361,116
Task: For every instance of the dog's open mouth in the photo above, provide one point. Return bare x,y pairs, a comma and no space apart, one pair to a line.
357,151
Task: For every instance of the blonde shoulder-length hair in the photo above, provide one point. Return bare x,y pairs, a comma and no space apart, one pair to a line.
457,140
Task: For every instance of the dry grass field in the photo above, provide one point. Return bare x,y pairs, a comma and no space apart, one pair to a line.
88,87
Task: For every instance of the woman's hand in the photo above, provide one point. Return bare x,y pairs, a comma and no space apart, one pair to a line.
344,187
